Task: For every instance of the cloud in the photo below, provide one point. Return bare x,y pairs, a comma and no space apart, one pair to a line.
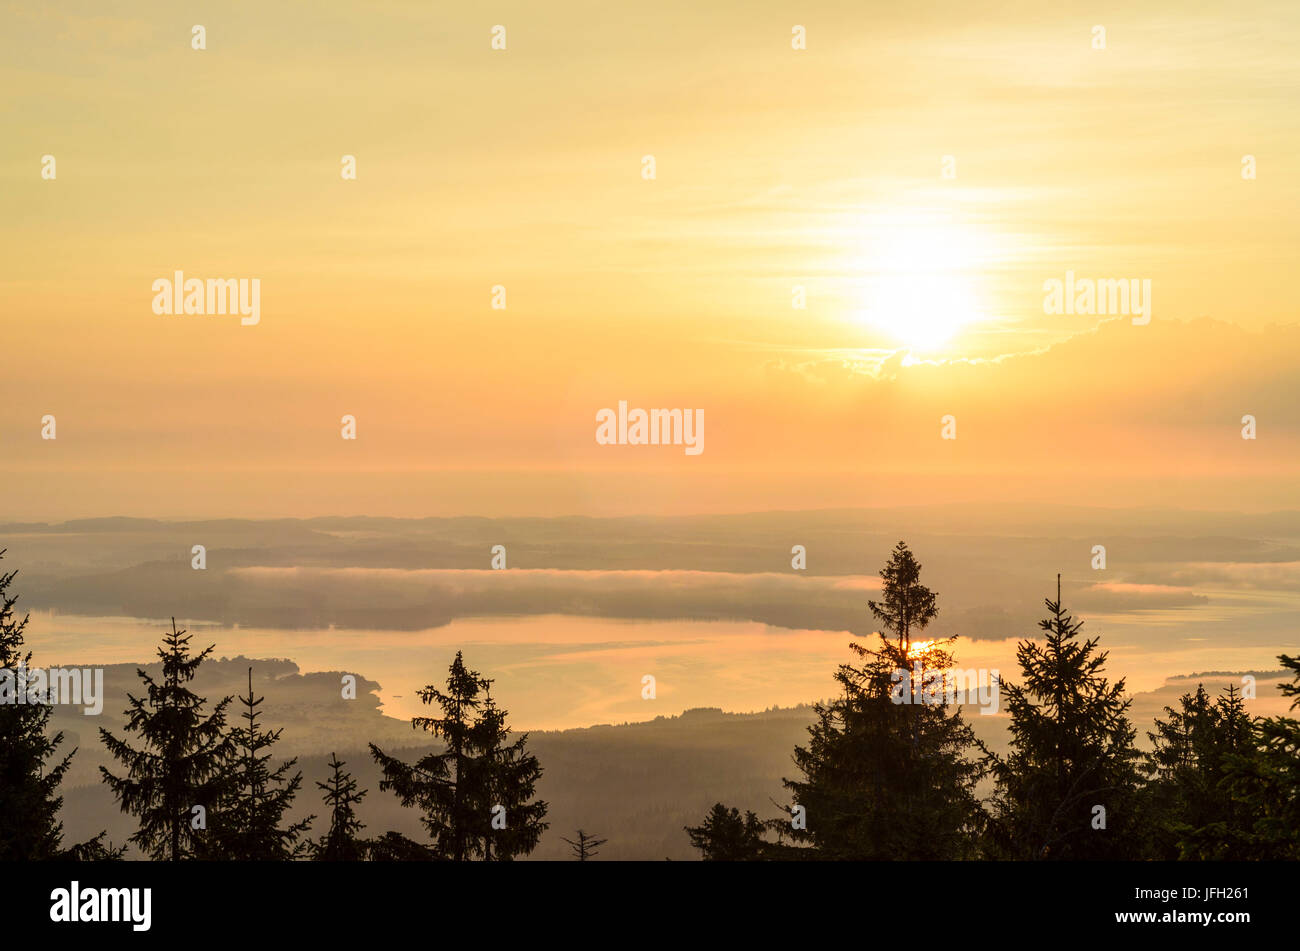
1275,575
416,599
1113,596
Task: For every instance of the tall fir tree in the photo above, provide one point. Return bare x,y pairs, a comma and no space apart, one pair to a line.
175,779
887,771
1192,814
508,773
1071,751
437,784
341,841
29,799
905,604
457,788
249,824
30,767
1266,780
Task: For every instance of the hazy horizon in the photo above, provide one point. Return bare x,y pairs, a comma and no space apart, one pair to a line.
710,605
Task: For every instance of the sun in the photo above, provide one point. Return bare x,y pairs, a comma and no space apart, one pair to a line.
920,279
919,648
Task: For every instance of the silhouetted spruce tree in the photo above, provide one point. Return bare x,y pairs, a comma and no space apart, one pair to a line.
886,770
457,787
1071,750
1266,780
341,842
249,824
181,758
508,772
727,836
437,783
1191,812
587,846
905,604
29,772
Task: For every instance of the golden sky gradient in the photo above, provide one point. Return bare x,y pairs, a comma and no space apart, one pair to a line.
522,167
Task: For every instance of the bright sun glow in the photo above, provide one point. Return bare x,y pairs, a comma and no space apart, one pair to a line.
921,278
919,648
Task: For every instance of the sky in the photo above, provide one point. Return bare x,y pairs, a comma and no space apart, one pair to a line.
775,168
